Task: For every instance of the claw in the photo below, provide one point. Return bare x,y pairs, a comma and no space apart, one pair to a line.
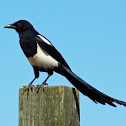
39,86
44,84
27,89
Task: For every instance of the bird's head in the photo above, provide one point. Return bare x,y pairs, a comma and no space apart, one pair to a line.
20,26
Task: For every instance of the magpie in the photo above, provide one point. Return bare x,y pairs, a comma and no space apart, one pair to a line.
44,57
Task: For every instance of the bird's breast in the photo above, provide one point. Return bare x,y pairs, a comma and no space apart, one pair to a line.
29,47
43,60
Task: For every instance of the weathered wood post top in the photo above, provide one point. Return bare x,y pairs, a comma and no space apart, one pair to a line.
50,106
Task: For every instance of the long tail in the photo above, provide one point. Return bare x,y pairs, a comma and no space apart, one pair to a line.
86,89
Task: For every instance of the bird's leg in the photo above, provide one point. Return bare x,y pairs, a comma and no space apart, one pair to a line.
44,82
29,87
49,74
32,81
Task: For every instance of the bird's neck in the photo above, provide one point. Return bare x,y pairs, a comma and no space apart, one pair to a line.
28,34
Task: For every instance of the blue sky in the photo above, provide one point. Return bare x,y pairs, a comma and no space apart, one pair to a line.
91,36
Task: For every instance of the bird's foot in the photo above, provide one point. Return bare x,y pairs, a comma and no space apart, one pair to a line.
42,85
28,88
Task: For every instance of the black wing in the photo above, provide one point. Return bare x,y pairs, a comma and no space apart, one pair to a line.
46,45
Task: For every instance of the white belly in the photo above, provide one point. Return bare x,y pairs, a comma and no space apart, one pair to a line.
43,60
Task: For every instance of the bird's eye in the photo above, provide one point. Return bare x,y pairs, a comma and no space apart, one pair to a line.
19,24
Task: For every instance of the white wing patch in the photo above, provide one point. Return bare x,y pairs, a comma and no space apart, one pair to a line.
44,39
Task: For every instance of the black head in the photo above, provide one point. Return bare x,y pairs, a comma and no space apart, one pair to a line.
20,26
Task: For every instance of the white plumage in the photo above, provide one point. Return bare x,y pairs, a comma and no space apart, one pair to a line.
43,60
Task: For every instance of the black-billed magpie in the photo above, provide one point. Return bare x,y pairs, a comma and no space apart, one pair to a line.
44,57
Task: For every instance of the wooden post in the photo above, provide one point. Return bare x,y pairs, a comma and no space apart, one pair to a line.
51,106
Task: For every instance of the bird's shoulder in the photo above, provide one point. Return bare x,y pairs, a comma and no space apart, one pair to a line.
46,45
